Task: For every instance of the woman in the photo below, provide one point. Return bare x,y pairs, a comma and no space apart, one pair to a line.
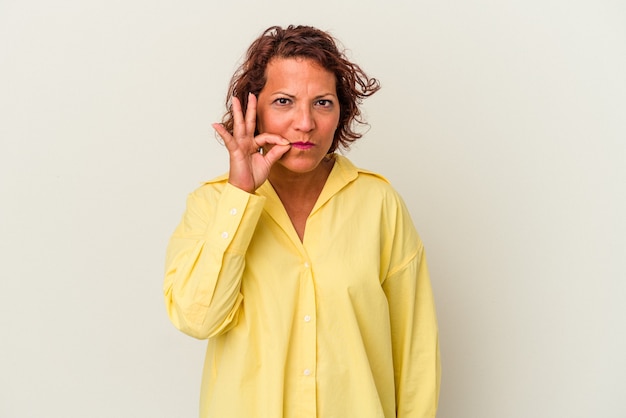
304,272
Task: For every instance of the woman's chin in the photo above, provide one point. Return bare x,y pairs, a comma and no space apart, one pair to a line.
298,164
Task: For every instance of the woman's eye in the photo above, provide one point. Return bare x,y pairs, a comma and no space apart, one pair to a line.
324,103
282,101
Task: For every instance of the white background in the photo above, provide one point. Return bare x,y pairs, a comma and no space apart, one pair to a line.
502,123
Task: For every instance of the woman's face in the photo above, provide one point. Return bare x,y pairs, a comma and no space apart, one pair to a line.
299,102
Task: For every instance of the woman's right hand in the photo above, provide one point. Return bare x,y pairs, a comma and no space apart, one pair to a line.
249,168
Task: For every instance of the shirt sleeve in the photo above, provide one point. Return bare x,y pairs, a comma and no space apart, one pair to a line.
414,332
205,259
414,339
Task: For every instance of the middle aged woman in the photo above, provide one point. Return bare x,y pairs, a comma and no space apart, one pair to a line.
304,272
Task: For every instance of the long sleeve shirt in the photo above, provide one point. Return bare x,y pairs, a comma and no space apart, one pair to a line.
341,324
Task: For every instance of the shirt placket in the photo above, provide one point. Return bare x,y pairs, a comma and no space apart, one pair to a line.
307,358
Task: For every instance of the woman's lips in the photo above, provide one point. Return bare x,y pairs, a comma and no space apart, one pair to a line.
302,145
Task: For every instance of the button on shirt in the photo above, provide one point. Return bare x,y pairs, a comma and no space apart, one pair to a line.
339,325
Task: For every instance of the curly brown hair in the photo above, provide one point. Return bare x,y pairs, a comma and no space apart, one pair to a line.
353,85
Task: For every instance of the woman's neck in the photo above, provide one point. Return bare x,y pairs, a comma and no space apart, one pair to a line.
297,186
299,193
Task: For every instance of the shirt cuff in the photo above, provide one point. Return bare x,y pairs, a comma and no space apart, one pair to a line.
236,217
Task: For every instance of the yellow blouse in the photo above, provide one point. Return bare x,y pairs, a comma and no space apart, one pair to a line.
340,325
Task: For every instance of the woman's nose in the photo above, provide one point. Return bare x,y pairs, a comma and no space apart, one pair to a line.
304,120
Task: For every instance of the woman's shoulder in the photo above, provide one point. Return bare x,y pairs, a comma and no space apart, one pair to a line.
366,180
209,192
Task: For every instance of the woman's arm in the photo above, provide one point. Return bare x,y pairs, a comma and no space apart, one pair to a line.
414,333
206,259
414,339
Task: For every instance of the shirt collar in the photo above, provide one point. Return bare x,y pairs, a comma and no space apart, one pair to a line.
343,173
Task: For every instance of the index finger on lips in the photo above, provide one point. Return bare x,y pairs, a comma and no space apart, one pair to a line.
272,139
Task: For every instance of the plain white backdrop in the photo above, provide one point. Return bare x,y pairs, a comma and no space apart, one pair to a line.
502,123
